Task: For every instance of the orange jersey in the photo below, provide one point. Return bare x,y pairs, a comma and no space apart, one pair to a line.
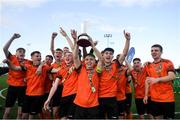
55,65
138,79
121,84
16,78
48,81
69,76
35,83
84,96
162,91
108,82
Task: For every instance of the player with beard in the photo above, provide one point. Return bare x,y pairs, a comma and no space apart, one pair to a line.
139,74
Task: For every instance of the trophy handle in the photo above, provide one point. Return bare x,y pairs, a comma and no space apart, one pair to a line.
84,34
83,40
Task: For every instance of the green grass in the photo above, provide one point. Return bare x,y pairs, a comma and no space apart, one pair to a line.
3,84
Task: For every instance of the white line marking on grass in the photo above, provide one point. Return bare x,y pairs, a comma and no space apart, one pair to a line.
1,93
135,114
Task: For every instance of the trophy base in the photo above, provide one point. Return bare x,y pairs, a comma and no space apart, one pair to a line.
83,43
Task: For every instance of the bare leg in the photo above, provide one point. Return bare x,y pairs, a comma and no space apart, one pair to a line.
56,112
25,116
31,117
141,116
7,113
150,116
19,114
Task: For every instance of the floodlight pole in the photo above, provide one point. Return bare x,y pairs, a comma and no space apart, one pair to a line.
107,36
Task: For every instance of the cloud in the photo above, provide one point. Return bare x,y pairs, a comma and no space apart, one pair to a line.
27,3
127,3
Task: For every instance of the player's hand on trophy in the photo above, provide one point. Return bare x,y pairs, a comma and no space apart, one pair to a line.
95,42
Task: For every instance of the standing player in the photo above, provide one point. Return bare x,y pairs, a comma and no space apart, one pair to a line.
48,85
68,77
160,77
17,85
36,73
86,99
139,75
108,85
58,53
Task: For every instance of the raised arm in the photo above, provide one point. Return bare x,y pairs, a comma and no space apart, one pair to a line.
76,59
126,47
7,45
130,68
84,52
54,34
99,55
63,33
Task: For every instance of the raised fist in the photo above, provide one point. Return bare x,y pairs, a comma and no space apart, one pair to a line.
74,34
127,35
16,35
54,34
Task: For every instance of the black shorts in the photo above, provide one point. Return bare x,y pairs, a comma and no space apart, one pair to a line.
121,107
167,109
45,97
108,106
57,96
14,93
86,113
141,107
33,104
67,107
128,100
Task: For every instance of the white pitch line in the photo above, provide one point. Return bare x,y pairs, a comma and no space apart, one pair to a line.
1,93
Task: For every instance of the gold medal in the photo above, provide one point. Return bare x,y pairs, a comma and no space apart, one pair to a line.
93,89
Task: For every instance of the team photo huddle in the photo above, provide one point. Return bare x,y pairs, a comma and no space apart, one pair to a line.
75,83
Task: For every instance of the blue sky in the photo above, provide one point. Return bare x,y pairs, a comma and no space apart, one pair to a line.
148,21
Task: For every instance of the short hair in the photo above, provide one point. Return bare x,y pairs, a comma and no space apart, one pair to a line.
136,59
34,52
50,56
90,54
66,47
21,49
159,46
59,49
108,49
